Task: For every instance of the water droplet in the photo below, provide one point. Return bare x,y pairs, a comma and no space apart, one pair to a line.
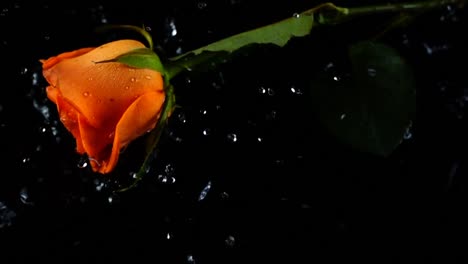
201,5
127,87
271,115
296,15
230,241
147,77
173,28
336,78
85,94
259,139
166,179
90,78
206,131
205,191
131,70
99,185
190,259
371,72
407,135
24,196
270,91
82,163
168,236
169,169
133,79
26,160
232,137
24,70
203,111
35,79
329,66
262,90
182,118
342,116
224,195
113,199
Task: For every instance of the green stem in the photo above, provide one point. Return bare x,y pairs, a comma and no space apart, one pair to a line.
348,13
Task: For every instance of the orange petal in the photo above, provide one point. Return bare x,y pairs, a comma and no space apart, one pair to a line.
139,118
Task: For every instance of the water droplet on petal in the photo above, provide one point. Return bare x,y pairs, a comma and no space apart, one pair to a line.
127,87
147,77
90,78
133,79
85,94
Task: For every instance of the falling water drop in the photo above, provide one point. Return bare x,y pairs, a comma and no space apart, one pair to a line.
205,191
371,72
232,137
230,241
190,259
206,131
24,70
24,196
407,135
201,5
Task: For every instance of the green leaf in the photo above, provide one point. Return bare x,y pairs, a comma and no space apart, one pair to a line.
139,58
278,34
372,109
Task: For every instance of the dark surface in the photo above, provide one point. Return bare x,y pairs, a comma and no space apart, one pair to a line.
297,195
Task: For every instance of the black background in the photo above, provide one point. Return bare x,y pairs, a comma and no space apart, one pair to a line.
295,196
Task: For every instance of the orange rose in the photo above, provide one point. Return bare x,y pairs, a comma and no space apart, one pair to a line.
104,105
